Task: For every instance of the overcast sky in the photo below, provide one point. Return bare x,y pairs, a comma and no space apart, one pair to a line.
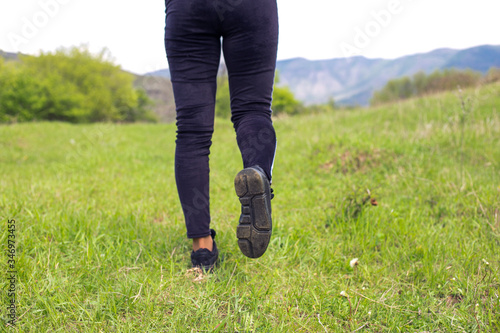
313,29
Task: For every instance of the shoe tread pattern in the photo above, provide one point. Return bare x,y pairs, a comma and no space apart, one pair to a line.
255,224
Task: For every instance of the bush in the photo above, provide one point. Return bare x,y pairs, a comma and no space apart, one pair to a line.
23,97
493,75
394,90
421,84
284,102
70,85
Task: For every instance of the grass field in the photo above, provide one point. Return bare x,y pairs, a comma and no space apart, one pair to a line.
100,237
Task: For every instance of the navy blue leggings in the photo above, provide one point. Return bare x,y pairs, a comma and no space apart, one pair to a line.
195,30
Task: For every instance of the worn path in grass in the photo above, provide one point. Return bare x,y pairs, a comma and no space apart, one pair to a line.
411,189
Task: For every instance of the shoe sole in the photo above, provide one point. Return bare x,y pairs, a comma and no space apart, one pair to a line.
255,225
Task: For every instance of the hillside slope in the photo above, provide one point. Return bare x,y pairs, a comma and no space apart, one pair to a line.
408,189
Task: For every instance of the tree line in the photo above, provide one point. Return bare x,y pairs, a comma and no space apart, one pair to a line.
440,80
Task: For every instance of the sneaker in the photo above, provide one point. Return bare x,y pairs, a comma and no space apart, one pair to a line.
255,225
204,258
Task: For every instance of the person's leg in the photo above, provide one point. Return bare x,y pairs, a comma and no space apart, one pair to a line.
193,51
250,41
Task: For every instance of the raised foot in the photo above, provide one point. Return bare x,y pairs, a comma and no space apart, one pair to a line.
255,224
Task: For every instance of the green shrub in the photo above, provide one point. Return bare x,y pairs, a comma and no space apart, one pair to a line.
285,102
70,85
493,75
422,84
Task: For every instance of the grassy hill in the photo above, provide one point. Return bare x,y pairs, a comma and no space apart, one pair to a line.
411,189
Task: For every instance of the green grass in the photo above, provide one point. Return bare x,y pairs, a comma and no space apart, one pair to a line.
101,243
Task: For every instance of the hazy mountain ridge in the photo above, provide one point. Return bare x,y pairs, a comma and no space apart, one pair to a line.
8,55
479,58
351,81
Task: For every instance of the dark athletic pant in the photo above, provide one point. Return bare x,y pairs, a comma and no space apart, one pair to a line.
195,30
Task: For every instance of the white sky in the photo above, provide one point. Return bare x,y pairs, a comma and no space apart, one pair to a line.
313,29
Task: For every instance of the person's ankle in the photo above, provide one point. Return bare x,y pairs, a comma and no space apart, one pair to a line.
203,243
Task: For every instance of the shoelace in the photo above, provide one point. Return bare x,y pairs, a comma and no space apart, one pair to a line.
272,194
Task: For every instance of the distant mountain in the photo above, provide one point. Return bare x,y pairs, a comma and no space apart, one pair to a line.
161,73
351,81
159,89
8,55
480,58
